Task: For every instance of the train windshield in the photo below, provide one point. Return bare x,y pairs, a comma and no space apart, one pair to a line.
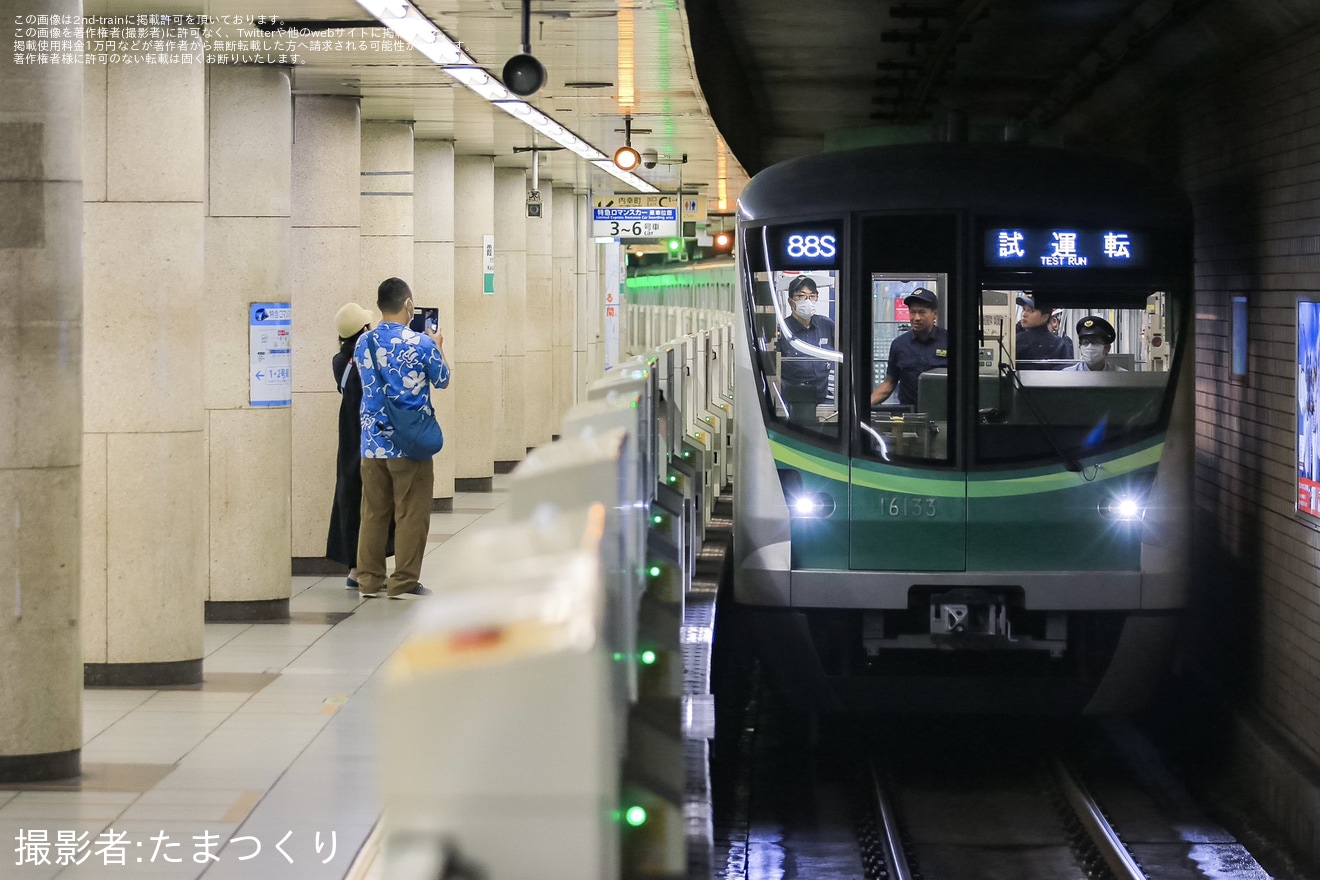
1066,375
795,314
910,391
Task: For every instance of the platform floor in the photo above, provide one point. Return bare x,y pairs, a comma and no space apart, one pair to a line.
276,750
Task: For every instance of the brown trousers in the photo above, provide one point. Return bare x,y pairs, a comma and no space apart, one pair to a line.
398,489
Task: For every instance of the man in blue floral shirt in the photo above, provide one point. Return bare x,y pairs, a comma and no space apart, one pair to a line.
397,361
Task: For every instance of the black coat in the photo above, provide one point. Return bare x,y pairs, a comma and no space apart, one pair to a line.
346,514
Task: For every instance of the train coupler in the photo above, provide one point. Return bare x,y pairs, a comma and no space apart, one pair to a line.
967,618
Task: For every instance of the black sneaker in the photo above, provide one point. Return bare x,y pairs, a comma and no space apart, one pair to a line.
352,584
418,590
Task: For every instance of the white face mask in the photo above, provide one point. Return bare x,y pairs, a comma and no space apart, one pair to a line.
804,308
1092,352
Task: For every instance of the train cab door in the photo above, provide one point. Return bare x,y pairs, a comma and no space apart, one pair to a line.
908,497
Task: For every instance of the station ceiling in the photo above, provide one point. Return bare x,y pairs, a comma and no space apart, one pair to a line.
605,61
798,77
736,85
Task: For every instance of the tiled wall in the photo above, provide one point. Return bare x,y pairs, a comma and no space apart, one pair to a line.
1250,160
1245,144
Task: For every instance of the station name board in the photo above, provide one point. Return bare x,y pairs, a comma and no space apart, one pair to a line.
1064,248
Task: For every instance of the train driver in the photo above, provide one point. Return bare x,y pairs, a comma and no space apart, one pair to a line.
1095,336
1036,342
798,370
924,347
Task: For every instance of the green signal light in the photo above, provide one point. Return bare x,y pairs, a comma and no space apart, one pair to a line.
673,244
673,479
635,816
654,571
657,519
647,658
618,655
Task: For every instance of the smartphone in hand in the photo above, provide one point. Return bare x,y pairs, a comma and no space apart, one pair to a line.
425,320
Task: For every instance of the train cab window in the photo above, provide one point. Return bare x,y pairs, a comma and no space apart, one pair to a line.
1067,374
797,342
910,391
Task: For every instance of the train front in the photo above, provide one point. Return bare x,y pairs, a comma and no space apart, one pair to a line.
970,487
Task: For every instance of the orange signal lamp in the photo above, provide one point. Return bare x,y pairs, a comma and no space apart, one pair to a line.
723,240
626,158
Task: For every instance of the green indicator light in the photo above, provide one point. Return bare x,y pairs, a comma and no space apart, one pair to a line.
635,816
673,478
654,571
657,519
618,655
648,658
687,454
634,404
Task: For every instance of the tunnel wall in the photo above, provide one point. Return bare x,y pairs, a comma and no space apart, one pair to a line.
1244,141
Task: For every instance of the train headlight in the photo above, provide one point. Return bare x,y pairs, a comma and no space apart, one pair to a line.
1124,508
810,505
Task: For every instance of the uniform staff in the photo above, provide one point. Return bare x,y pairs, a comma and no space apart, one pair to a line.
796,368
1035,340
924,347
1095,336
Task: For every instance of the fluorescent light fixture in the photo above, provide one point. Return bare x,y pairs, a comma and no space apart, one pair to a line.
421,33
626,176
480,80
401,17
526,113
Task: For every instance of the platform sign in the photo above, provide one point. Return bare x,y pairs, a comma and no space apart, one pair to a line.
1308,408
488,264
613,325
632,216
694,209
270,350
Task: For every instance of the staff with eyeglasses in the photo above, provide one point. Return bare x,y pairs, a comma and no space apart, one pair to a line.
797,369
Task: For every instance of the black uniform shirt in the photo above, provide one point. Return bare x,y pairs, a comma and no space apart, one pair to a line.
796,368
909,357
1039,344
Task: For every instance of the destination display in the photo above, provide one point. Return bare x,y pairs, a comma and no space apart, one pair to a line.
815,246
1064,248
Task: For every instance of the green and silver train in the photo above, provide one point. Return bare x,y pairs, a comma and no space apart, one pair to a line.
1008,532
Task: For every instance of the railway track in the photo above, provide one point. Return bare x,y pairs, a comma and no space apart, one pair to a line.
1028,816
1084,830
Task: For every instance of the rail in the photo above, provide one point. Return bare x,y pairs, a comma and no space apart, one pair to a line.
1101,833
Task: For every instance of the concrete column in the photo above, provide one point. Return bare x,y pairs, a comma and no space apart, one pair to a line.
325,212
542,416
593,309
41,391
587,326
387,209
144,544
476,325
433,262
563,300
511,307
247,260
